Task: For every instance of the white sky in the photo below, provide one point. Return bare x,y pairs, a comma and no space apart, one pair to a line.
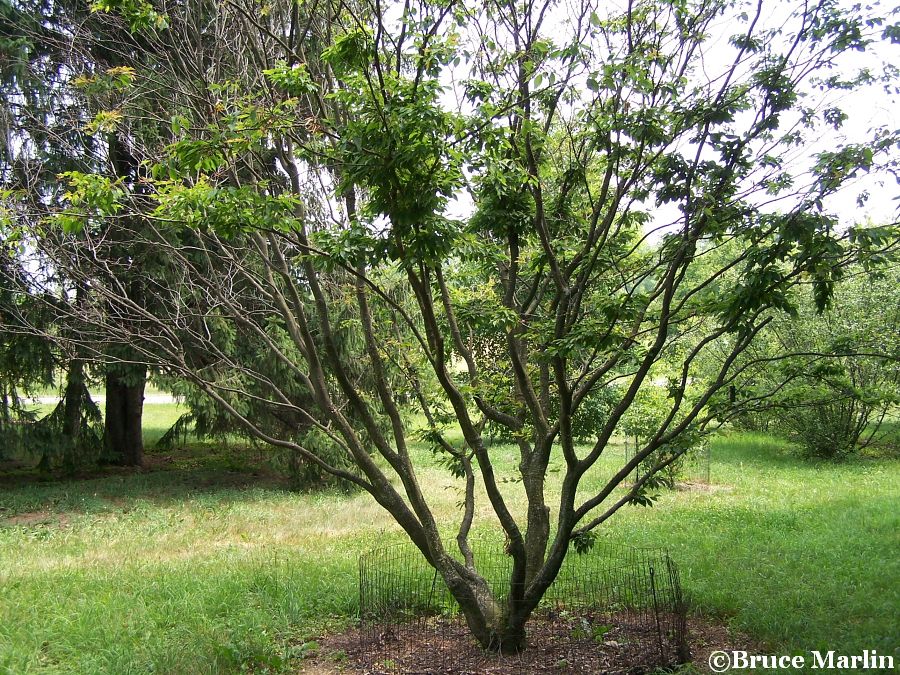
867,109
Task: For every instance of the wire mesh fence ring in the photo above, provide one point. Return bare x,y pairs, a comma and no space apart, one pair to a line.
624,599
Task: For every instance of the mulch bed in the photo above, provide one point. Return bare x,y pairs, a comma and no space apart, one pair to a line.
558,643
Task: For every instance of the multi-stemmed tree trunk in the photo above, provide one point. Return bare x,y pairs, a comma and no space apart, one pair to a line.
299,198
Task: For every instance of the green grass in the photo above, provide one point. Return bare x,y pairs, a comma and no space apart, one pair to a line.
158,419
94,386
204,568
800,555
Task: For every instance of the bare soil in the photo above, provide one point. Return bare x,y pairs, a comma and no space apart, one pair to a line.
35,518
553,648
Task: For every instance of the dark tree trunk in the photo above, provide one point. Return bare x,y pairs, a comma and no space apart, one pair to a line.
73,410
73,401
72,421
497,626
123,439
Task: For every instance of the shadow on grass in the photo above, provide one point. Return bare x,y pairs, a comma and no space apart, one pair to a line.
218,471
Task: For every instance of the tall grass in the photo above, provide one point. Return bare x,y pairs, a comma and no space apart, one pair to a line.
190,570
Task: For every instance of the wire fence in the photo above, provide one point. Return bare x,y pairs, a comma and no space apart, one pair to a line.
612,606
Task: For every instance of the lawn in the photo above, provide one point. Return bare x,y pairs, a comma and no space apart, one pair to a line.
207,565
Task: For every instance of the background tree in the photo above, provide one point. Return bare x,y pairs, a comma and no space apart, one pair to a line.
40,138
307,171
61,83
26,360
827,380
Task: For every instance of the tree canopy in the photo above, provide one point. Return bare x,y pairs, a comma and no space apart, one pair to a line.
297,188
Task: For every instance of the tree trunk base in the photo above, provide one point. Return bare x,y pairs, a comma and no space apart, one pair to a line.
123,439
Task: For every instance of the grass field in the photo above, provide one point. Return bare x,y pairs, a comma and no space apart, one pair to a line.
203,567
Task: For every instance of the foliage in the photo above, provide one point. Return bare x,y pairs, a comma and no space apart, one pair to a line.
26,361
303,218
61,113
837,374
57,444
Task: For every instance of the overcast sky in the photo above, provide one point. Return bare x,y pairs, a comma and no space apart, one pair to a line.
868,109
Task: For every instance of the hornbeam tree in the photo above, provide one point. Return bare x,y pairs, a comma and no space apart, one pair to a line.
301,165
